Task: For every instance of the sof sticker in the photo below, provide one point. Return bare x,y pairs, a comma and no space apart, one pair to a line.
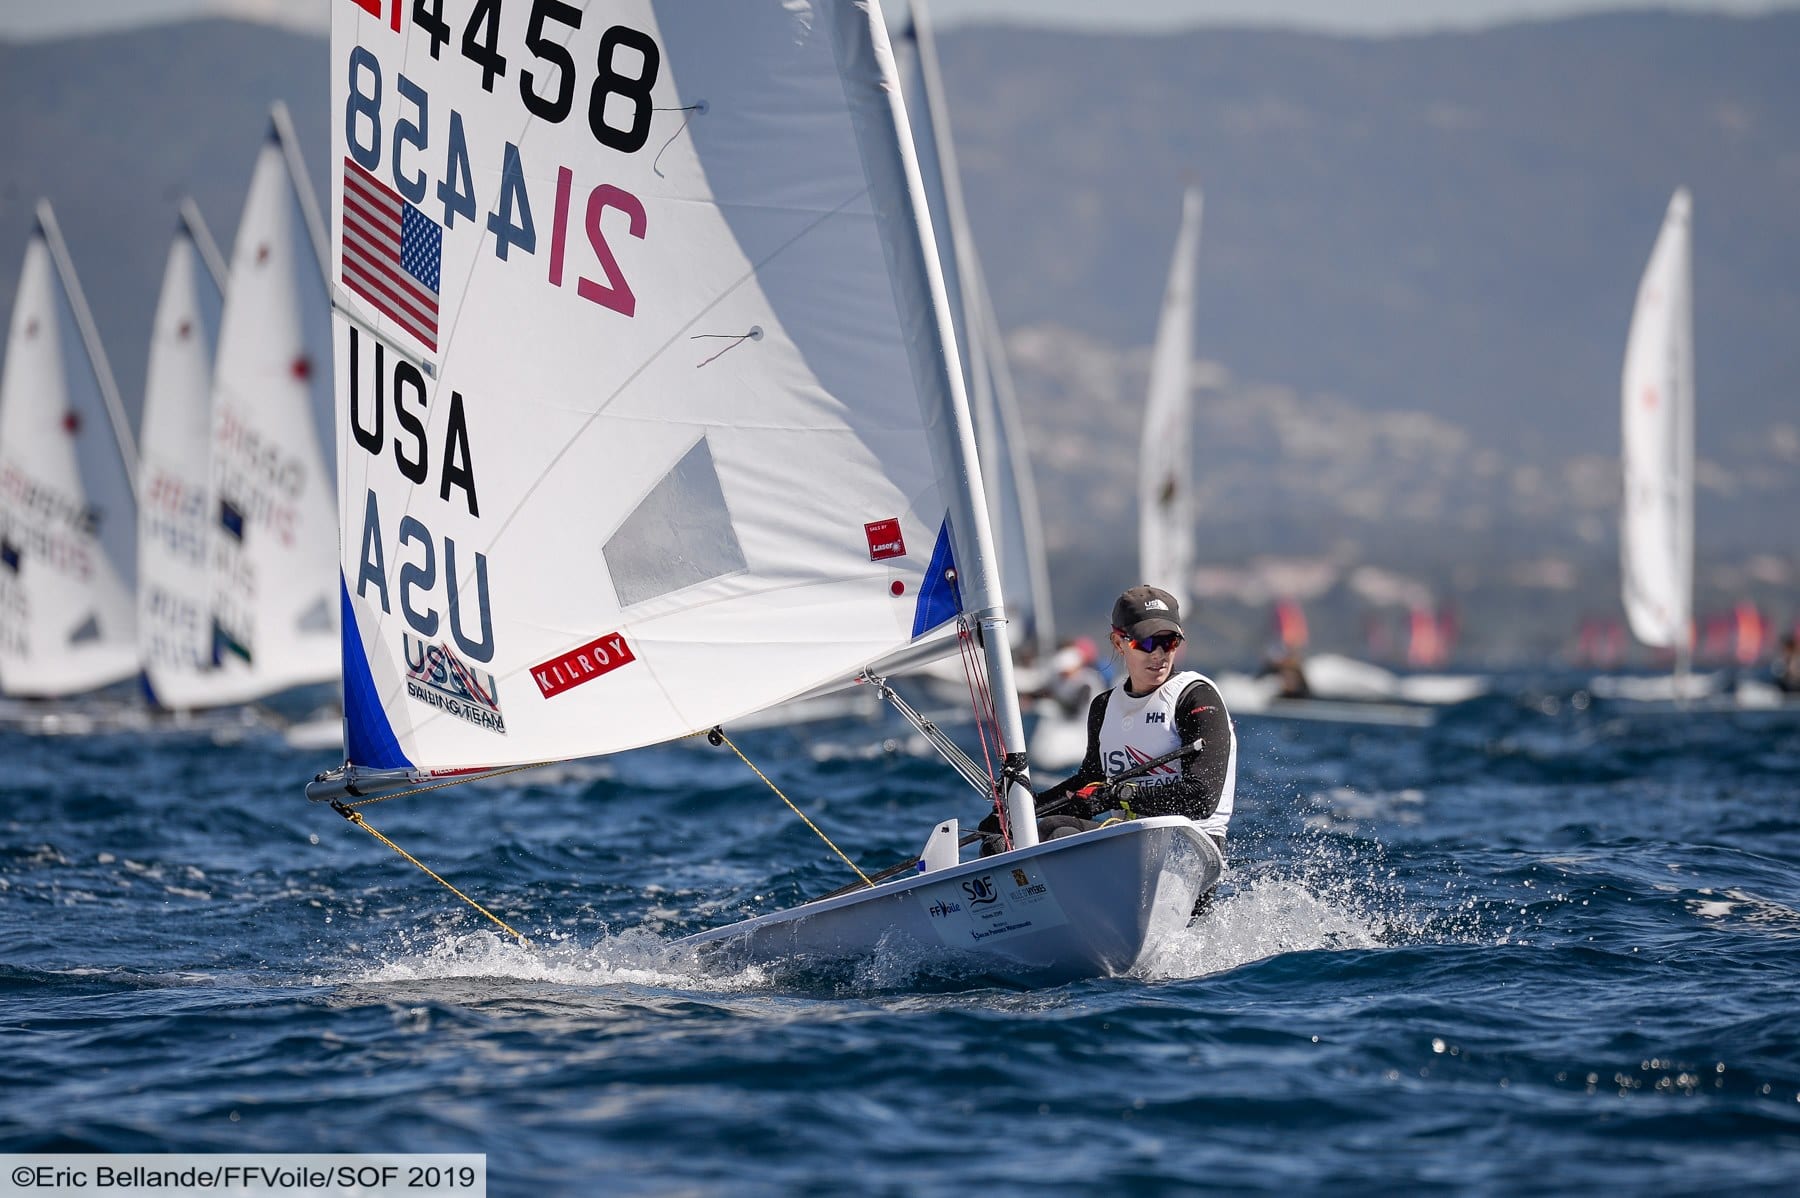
991,906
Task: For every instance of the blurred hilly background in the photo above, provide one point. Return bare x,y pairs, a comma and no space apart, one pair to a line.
1416,272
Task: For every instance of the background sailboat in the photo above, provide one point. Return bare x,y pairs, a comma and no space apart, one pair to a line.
67,502
1165,453
178,512
1656,513
693,442
1656,531
274,535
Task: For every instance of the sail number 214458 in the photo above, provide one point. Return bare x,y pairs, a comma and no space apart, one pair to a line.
447,194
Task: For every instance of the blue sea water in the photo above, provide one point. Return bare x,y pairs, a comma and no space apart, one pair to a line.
1536,948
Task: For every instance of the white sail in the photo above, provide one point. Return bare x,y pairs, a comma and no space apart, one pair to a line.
999,436
177,515
67,510
274,530
1022,550
1656,538
1165,466
646,418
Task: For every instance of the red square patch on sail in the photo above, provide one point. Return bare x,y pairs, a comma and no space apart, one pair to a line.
602,655
884,540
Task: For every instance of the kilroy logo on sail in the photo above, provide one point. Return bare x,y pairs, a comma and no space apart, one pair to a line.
437,677
602,655
885,540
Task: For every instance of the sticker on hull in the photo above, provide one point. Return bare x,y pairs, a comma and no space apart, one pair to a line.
990,907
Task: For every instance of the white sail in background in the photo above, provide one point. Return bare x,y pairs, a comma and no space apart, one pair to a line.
646,418
67,510
1656,538
274,531
177,515
999,434
1165,465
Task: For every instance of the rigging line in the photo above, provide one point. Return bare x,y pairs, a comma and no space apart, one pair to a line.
717,736
356,818
698,106
972,667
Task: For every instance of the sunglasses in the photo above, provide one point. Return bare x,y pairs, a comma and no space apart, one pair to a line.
1166,641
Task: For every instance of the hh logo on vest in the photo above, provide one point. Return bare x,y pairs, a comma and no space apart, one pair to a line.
1156,717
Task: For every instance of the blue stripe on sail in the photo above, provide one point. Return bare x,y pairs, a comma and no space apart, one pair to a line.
940,595
368,737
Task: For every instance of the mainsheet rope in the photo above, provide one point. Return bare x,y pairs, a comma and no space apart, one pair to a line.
715,735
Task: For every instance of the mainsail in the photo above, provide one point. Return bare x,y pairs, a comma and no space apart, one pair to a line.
274,532
67,506
177,515
1165,488
999,435
646,418
1656,540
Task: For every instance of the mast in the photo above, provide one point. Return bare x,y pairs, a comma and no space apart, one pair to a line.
202,237
303,188
935,351
90,337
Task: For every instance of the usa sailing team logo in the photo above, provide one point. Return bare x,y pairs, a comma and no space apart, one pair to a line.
438,677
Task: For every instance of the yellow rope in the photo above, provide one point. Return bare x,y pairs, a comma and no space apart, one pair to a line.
356,818
720,733
346,809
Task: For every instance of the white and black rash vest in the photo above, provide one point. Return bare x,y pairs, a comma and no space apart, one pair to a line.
1125,730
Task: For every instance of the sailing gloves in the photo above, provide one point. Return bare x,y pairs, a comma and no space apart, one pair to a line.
1097,798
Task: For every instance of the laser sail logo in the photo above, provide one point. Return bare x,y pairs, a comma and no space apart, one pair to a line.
437,676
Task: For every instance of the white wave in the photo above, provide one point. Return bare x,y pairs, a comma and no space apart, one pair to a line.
1264,919
635,958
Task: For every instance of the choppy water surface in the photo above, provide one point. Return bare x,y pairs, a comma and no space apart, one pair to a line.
1532,949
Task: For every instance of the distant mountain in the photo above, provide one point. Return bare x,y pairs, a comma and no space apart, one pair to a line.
1417,269
1416,272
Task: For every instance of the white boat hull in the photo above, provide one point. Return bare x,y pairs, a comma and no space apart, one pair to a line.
1098,904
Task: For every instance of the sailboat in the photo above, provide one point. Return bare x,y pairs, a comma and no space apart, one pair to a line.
274,522
650,416
1656,516
1656,536
67,494
1165,459
177,515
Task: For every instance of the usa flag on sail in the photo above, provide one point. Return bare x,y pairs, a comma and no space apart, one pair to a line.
392,254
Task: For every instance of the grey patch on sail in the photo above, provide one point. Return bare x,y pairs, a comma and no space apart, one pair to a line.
680,535
316,618
88,630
